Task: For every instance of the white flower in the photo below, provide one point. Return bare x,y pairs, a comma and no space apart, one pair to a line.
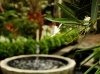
4,39
86,20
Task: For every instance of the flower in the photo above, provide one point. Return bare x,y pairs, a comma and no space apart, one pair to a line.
10,27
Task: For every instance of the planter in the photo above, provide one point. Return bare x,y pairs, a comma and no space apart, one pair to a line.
67,66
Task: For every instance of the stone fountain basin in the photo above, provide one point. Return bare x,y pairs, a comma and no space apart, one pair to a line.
67,69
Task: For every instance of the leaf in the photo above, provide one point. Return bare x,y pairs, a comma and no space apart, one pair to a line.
62,20
68,12
90,48
10,13
98,71
89,58
2,18
94,10
91,68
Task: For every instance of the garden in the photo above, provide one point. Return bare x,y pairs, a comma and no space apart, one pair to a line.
32,31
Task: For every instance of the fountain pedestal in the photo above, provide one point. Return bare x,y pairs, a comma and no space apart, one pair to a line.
68,67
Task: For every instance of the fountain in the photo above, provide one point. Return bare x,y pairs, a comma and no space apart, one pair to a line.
47,64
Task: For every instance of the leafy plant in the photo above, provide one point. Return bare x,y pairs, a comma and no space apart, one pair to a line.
17,48
95,4
71,36
97,56
57,41
50,43
61,38
30,46
44,48
5,50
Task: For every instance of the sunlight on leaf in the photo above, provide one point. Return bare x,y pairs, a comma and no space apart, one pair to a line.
62,20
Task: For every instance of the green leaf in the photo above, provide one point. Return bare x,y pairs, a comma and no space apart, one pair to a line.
68,12
62,20
86,49
10,13
98,71
91,68
94,10
89,58
2,18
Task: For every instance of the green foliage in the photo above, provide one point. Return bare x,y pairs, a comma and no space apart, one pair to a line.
57,41
44,49
9,49
61,38
30,46
91,68
17,5
21,25
27,28
17,48
50,43
97,56
71,36
67,21
5,50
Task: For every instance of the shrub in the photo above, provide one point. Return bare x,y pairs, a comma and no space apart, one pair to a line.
30,46
18,48
5,50
44,49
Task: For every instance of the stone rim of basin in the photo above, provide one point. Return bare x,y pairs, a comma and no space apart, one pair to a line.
3,64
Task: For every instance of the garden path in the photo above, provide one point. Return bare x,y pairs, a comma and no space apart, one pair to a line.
91,40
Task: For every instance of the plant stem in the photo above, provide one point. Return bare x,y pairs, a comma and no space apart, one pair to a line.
85,49
91,68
